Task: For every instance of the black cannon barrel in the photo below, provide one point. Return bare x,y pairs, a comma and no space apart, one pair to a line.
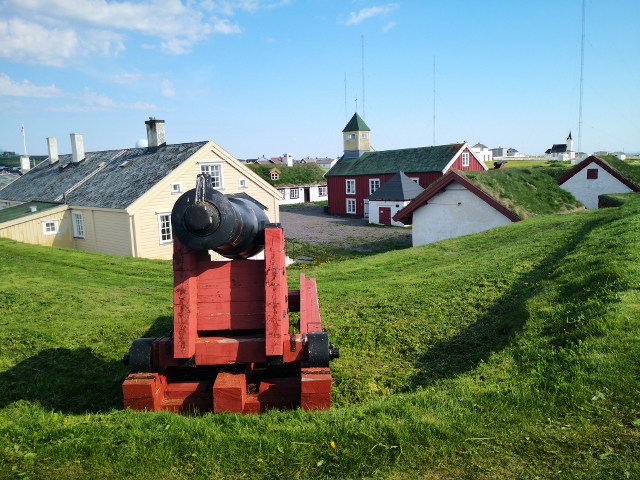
205,219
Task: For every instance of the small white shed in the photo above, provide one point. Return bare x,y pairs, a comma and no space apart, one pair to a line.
594,177
451,207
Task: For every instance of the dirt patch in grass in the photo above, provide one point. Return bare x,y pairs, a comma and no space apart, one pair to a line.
310,224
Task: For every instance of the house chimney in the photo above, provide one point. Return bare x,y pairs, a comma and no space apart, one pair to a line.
155,132
25,163
52,144
77,147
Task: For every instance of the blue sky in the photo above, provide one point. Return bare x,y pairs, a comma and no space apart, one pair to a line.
267,77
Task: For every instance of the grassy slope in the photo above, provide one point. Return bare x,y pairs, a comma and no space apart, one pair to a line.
299,174
527,191
508,354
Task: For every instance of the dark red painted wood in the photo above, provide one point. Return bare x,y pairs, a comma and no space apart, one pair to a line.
185,301
275,288
384,215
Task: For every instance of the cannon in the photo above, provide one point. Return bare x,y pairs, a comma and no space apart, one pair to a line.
233,347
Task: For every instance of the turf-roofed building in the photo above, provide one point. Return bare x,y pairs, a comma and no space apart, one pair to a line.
362,170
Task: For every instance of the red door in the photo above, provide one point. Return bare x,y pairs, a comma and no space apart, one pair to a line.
384,215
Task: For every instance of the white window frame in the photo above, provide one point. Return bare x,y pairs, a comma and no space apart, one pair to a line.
214,169
350,186
351,205
176,187
50,227
465,159
415,179
294,193
372,185
283,191
275,175
351,136
242,183
364,135
77,219
322,191
164,223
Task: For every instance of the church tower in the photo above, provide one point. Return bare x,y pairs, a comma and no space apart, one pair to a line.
570,151
355,137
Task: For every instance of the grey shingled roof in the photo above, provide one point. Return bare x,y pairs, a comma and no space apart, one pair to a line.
397,188
411,160
99,180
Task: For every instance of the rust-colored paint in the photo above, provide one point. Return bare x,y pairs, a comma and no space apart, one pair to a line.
234,313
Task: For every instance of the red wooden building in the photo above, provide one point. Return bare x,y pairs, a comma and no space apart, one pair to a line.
360,171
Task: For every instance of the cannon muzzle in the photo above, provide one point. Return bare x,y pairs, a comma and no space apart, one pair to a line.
205,219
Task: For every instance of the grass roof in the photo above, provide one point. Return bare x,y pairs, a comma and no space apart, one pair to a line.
632,172
299,174
526,191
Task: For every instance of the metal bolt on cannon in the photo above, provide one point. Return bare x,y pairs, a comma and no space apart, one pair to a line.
231,348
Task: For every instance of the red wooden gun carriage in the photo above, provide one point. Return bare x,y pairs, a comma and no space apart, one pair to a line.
232,347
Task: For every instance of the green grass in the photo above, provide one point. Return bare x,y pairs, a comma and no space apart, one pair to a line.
512,353
298,174
526,191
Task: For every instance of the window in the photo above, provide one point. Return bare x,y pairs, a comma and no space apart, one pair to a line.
322,191
415,179
351,187
282,192
78,224
351,136
164,228
374,184
364,135
294,193
215,171
176,187
242,183
50,227
274,176
465,159
351,205
592,173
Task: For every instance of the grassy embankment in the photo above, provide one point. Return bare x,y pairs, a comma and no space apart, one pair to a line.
508,354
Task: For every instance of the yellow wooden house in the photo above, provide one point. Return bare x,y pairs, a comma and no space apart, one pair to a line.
119,201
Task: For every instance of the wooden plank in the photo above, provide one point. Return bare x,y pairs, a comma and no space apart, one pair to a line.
185,306
309,308
315,389
229,392
275,288
143,391
226,350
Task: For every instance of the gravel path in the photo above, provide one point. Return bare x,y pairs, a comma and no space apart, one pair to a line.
309,223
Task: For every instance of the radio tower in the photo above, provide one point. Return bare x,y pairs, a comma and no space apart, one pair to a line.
363,114
581,81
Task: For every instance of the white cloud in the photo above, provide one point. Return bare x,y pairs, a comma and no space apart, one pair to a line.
125,78
32,43
365,13
9,88
90,101
167,89
388,26
222,25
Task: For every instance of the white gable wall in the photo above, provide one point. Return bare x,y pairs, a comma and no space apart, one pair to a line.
452,213
586,190
374,210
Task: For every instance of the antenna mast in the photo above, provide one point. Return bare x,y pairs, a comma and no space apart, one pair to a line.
346,119
581,81
434,101
363,114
